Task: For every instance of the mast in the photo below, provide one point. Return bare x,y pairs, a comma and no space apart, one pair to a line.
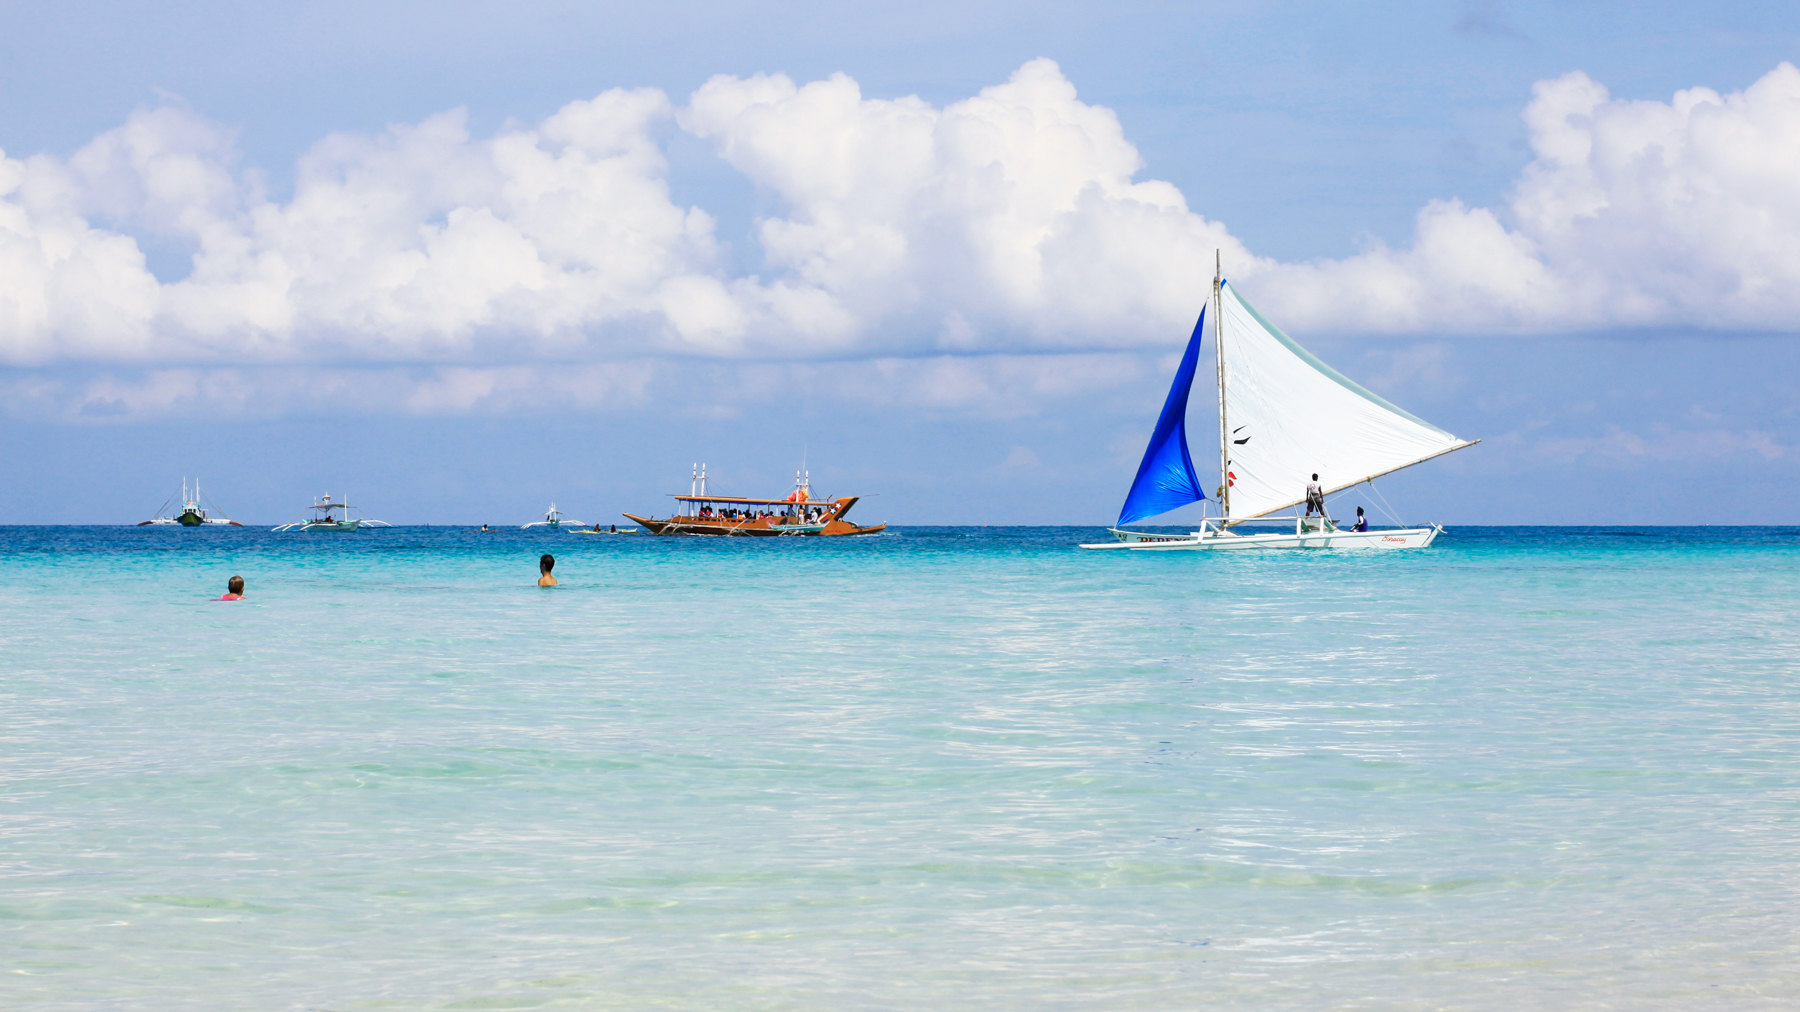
1224,433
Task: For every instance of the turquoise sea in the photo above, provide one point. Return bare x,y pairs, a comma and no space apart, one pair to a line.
1547,768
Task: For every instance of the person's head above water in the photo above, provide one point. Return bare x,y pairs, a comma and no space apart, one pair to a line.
545,564
234,589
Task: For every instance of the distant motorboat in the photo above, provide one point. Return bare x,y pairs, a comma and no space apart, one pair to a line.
191,514
1283,415
554,520
332,517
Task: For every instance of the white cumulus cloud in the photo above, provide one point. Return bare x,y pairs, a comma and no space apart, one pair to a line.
1631,213
1016,221
1010,219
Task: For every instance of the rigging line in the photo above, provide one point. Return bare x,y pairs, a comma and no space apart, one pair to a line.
1385,508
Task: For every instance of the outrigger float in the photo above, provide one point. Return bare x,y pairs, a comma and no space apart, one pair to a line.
332,517
799,515
192,514
1283,415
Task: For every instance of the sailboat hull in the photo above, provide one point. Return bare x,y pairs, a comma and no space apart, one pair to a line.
1201,541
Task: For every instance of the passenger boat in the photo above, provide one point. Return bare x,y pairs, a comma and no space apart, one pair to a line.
191,514
799,515
332,517
554,520
1283,415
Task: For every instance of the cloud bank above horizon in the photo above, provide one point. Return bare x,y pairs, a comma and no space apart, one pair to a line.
1011,223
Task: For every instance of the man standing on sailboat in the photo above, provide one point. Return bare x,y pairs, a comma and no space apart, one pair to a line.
1315,497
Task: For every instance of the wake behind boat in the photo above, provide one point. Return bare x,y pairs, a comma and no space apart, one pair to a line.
798,515
1285,417
332,517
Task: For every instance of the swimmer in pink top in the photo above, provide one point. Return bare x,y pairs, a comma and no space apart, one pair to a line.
234,590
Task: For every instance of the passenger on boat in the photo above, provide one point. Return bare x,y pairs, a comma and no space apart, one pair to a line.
1362,522
1315,497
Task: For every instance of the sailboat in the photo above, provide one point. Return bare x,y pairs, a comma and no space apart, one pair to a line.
1285,417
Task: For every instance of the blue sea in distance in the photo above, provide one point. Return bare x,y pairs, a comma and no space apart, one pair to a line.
936,768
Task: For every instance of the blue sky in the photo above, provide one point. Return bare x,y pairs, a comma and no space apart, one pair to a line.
464,259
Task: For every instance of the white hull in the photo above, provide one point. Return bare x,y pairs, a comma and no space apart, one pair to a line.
1213,540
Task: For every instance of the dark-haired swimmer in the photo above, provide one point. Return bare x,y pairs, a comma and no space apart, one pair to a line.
234,590
546,564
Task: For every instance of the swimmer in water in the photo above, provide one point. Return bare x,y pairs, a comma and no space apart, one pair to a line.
234,590
546,564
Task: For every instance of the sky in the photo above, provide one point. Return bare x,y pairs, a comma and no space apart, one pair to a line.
461,260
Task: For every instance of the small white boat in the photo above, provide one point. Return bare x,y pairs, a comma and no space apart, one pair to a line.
554,520
332,517
1285,418
613,529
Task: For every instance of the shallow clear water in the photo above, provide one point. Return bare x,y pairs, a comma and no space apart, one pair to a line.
946,767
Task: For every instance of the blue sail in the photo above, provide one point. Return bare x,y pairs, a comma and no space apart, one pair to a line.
1166,479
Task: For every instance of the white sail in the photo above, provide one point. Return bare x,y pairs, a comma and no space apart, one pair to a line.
1289,416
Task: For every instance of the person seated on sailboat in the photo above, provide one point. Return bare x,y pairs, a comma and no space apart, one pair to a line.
1362,522
1315,497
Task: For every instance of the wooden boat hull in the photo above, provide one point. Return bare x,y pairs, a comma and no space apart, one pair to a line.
764,527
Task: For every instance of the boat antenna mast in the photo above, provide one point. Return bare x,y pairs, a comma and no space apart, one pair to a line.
1219,351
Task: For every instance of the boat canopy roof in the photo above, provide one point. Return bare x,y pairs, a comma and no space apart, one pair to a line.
740,501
